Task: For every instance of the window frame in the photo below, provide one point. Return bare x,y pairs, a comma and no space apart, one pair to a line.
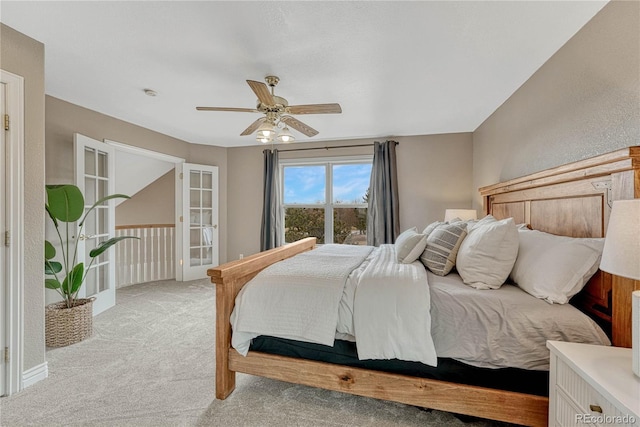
328,205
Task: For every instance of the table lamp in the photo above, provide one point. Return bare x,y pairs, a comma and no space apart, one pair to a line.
621,256
463,214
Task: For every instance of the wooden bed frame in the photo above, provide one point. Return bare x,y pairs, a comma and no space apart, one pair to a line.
571,200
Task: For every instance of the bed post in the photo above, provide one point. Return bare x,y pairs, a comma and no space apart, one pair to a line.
225,378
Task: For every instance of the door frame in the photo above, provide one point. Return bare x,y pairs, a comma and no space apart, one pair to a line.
132,149
14,295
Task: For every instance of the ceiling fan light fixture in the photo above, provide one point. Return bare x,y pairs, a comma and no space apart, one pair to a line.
266,131
285,135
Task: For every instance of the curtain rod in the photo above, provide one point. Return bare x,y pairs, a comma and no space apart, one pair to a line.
329,148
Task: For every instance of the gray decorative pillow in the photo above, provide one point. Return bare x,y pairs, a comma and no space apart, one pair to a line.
409,245
442,247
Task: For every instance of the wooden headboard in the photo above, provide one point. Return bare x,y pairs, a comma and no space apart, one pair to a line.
575,200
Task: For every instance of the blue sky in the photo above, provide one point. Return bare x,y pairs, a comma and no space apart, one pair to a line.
306,184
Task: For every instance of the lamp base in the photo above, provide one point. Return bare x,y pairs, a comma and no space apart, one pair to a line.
635,332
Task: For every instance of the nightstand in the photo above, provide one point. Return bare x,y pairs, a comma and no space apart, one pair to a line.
592,385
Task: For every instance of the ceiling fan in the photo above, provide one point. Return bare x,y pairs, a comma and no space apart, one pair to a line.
277,112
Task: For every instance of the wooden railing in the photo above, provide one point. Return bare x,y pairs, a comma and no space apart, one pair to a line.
148,259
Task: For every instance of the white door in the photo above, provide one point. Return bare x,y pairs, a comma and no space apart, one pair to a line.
94,176
3,255
198,192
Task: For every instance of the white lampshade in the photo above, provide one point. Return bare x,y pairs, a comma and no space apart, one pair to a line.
266,132
285,135
463,214
621,254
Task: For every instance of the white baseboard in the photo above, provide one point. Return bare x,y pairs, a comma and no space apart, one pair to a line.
35,374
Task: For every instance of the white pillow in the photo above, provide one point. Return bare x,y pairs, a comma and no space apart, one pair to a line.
429,228
409,245
555,268
487,254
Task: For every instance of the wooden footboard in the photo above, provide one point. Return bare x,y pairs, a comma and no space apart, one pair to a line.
229,278
481,402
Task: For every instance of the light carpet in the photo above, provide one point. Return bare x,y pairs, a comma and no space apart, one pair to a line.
151,362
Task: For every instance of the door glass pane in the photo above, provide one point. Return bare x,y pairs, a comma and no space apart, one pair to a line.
207,255
103,225
195,257
103,277
303,222
305,184
194,217
207,180
89,191
207,236
102,164
90,283
350,226
194,180
195,198
194,237
90,224
207,197
351,183
103,188
90,161
207,217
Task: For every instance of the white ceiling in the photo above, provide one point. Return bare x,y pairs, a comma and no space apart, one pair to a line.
396,67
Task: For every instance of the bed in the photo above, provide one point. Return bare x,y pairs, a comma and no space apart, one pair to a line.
571,200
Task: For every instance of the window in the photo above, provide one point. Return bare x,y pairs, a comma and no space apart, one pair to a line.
326,199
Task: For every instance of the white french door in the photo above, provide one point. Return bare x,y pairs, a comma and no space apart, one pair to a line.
197,187
94,170
3,252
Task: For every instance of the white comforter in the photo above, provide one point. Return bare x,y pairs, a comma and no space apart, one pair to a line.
297,298
392,311
383,304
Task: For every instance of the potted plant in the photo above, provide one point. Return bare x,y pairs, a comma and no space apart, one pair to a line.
70,320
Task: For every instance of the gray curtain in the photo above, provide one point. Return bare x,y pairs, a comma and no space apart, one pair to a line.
271,230
383,220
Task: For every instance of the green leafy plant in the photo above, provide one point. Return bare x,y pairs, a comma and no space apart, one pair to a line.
66,205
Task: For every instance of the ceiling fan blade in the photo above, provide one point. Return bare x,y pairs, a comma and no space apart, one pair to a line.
262,92
253,126
315,109
237,110
299,126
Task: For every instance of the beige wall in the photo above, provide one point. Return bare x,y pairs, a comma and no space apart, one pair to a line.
583,102
154,204
24,56
434,173
63,119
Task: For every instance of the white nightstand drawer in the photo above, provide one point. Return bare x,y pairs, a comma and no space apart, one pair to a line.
566,413
586,400
592,385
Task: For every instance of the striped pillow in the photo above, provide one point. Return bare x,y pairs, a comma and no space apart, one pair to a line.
443,242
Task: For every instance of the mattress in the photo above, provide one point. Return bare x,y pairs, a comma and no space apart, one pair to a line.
345,353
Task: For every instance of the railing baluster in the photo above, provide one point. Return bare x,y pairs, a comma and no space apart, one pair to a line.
150,258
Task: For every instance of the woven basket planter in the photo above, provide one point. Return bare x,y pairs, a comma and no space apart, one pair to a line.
65,326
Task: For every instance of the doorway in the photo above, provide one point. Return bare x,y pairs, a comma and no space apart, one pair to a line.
12,228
